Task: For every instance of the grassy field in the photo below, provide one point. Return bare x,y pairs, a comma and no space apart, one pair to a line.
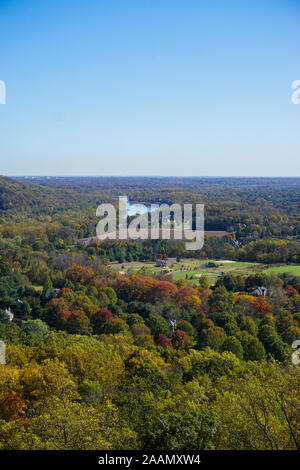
193,269
291,269
236,267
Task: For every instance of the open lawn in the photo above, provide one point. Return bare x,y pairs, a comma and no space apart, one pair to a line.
192,269
290,268
223,266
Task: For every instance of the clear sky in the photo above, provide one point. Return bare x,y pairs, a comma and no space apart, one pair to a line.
150,87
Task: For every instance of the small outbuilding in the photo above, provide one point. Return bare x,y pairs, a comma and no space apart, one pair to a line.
259,291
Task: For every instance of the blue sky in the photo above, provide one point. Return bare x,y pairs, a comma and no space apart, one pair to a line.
158,87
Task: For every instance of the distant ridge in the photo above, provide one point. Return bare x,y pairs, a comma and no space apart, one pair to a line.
16,196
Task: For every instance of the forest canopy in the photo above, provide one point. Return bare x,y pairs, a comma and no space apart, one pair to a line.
100,355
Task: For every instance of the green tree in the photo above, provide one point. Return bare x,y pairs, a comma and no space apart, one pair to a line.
233,345
252,347
157,325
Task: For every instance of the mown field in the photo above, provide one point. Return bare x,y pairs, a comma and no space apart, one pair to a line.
193,269
291,269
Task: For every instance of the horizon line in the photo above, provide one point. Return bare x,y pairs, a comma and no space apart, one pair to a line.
146,176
